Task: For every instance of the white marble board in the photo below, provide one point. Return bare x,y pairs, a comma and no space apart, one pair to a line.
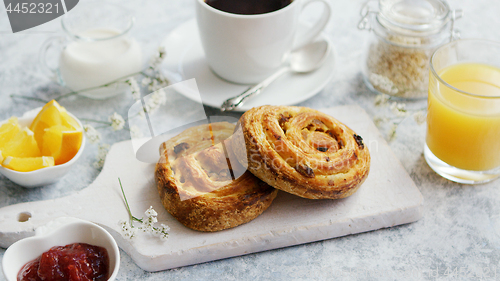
387,198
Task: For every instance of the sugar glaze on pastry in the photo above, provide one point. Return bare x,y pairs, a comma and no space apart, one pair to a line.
201,188
302,151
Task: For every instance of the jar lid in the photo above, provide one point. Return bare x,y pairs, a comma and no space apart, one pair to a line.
414,15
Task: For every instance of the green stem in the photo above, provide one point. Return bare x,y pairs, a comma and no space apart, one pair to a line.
28,98
126,202
96,121
398,123
101,86
65,95
84,90
137,114
132,218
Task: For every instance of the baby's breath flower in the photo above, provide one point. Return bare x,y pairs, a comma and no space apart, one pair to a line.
379,121
157,59
146,81
150,212
146,223
117,121
134,88
419,117
164,228
135,132
92,134
101,155
155,100
153,85
162,231
399,109
392,132
381,99
150,219
161,81
128,230
162,52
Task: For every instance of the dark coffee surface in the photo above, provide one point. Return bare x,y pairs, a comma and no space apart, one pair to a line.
248,7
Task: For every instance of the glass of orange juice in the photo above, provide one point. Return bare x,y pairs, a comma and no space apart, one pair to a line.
463,119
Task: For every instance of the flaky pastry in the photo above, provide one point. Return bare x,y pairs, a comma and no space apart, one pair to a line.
199,186
302,151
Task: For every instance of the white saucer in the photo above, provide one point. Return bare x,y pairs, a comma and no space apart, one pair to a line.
185,56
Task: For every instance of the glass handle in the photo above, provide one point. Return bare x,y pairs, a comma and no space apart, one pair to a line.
364,23
455,15
366,11
455,34
52,73
458,14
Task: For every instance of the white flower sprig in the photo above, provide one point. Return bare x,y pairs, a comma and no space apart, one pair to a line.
399,109
152,77
92,134
400,112
101,155
117,121
155,100
95,137
420,117
134,88
135,132
158,58
147,223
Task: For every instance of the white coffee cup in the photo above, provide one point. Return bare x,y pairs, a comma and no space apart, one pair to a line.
246,49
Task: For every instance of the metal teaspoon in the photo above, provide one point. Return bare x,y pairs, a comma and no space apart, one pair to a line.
303,60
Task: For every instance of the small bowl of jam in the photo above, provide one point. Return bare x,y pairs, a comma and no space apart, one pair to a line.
65,249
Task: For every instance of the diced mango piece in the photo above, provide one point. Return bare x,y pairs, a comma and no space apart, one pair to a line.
8,131
23,144
62,143
27,164
49,116
69,122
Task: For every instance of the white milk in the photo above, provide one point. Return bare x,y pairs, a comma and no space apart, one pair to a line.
86,64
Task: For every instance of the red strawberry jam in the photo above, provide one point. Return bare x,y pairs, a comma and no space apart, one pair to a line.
73,262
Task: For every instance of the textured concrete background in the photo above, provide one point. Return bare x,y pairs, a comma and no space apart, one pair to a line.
460,230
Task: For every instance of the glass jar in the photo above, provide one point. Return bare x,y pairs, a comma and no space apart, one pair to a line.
405,34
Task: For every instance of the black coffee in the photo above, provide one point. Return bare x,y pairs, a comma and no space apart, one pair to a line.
248,7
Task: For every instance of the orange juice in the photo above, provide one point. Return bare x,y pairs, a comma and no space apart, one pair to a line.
463,130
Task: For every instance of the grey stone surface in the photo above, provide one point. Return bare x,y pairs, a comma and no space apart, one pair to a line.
459,233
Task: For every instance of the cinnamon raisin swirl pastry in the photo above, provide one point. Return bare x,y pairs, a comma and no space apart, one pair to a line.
199,186
302,151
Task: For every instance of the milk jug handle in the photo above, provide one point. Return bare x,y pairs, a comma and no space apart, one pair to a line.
52,72
313,32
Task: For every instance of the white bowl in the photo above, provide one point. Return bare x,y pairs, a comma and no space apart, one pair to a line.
43,176
60,232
